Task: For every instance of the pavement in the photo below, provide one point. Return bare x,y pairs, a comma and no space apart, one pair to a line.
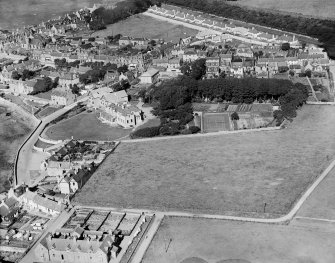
57,223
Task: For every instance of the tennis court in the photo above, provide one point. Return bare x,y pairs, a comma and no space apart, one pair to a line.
214,122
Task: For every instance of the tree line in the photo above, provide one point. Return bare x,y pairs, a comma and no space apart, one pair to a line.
175,96
322,29
122,10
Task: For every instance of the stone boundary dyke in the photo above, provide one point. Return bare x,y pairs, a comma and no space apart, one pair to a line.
207,134
34,122
38,149
319,103
18,152
12,249
50,141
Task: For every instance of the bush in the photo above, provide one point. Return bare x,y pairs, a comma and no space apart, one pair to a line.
145,132
194,129
186,131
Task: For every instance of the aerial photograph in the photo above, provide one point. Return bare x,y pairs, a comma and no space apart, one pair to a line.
167,131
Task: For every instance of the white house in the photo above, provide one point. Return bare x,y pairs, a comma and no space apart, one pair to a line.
150,76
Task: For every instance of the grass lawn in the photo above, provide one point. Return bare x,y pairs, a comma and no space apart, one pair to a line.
315,8
150,123
144,26
229,174
47,111
85,126
216,241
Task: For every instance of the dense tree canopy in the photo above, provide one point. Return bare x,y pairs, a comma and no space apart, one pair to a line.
105,16
175,96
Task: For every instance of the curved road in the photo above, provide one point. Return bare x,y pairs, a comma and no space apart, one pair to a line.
24,155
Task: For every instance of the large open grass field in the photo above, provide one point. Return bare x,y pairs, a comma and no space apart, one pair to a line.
144,26
227,174
315,8
217,241
85,126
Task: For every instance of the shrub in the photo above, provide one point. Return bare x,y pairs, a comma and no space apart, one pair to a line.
194,129
146,132
186,131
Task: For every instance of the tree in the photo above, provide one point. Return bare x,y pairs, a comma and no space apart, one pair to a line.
27,74
16,75
234,116
185,69
285,46
198,68
122,69
152,42
75,89
308,73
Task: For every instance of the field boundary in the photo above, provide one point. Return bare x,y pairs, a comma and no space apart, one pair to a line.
207,134
280,220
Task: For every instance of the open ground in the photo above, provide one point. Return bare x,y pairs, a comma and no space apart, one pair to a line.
236,174
85,126
315,8
216,241
13,130
144,26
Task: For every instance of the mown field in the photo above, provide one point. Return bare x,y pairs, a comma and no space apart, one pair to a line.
315,8
144,26
85,126
233,174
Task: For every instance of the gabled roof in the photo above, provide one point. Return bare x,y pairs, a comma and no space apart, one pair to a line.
150,72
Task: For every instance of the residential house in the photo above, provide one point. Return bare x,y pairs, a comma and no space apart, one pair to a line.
173,65
212,67
22,87
67,79
241,31
123,114
237,69
139,42
9,210
254,33
244,51
163,62
62,96
124,41
149,77
75,180
78,245
111,76
100,98
49,205
266,37
190,55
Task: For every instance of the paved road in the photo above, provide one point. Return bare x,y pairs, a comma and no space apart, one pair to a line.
143,246
58,223
24,156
